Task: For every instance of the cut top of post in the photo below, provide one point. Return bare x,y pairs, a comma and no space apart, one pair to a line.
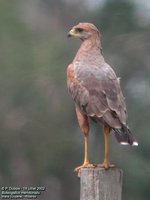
101,184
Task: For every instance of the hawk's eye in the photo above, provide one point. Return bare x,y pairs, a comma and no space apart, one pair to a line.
79,30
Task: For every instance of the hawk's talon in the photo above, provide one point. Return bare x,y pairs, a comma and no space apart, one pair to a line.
106,165
78,169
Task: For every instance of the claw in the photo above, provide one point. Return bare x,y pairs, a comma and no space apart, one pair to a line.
78,169
106,165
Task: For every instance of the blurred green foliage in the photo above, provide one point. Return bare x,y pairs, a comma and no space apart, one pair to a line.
40,141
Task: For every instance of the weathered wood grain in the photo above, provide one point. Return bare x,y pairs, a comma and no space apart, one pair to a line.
101,184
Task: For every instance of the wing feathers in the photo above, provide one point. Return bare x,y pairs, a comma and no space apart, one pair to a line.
98,94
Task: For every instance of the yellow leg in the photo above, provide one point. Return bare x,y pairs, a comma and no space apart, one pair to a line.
86,163
86,152
106,137
106,164
84,125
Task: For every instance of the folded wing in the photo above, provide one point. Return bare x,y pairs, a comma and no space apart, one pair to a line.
97,93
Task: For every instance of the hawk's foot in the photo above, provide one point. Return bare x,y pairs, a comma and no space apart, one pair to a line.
106,165
86,165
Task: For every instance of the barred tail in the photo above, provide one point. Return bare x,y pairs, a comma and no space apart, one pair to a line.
124,136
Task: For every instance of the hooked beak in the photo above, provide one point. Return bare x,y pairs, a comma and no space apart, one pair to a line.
71,33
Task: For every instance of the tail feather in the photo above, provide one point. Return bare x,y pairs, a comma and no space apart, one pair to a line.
124,136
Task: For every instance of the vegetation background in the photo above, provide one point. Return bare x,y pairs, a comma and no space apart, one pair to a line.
40,141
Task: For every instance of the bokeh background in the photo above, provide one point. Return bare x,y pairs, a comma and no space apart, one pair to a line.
40,141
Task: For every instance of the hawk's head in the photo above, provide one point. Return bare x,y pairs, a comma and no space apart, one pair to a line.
83,31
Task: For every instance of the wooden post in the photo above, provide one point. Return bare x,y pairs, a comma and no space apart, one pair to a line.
101,184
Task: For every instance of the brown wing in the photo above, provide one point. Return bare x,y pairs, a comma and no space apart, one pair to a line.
96,91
